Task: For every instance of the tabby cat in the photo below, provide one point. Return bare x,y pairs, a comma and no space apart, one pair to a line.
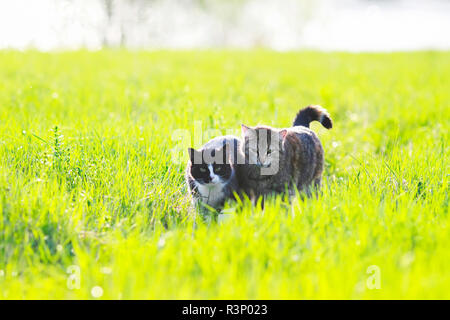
277,160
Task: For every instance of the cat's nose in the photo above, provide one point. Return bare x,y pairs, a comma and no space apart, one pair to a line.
215,179
264,160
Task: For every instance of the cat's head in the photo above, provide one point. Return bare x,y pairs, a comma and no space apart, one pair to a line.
263,147
210,166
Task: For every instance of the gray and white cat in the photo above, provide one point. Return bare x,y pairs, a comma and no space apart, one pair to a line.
211,174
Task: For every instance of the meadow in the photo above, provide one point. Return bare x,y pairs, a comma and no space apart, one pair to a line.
93,203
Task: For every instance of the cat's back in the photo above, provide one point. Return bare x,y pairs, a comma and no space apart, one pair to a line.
306,149
301,130
305,136
308,153
219,142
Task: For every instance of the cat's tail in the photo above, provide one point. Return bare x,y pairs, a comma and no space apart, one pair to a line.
312,113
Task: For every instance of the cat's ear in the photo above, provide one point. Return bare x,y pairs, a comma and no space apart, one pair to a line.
192,152
283,134
244,129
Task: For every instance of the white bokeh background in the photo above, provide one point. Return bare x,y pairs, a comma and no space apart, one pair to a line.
348,25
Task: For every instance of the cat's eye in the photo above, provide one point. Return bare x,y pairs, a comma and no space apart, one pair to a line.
202,170
219,168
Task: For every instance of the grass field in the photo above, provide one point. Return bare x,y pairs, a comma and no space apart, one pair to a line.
93,203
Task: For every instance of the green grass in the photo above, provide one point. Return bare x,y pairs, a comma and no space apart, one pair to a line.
88,177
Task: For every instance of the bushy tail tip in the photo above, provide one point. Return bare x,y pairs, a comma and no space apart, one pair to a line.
313,113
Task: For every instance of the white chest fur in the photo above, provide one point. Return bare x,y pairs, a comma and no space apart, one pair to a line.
211,194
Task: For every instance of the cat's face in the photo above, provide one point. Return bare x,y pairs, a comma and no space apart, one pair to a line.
210,166
263,148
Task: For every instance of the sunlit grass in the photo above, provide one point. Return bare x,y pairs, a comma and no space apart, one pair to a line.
88,177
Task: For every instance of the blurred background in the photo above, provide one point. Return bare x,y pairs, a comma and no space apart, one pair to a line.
348,25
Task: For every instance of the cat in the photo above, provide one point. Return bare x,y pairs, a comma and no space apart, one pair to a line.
210,174
277,160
